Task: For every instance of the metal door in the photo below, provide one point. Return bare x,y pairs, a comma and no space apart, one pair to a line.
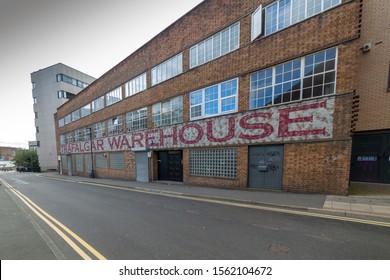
170,166
142,166
266,167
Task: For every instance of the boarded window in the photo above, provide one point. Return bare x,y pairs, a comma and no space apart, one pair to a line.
117,161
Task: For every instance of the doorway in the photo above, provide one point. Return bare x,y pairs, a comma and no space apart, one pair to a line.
170,166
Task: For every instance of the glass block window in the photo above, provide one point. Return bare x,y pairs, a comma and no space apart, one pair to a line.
283,13
117,161
215,100
115,126
214,163
99,130
137,120
136,85
86,110
169,112
168,69
219,44
114,96
302,78
98,104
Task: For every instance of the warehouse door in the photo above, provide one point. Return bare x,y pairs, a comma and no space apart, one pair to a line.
142,166
371,158
266,167
170,166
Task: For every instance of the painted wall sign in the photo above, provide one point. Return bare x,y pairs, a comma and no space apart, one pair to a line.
304,121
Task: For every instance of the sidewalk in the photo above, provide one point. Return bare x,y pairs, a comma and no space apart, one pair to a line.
367,202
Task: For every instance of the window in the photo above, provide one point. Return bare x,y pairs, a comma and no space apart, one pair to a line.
214,163
137,120
169,112
168,69
75,115
114,96
257,19
98,104
65,95
85,110
62,139
216,46
77,135
284,13
115,126
101,160
302,78
70,80
61,122
136,85
37,129
68,138
68,119
86,134
34,85
99,130
34,100
215,100
36,115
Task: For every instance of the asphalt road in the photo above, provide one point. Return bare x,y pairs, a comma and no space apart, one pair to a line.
123,224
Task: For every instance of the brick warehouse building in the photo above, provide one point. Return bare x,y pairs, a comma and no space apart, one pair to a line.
238,94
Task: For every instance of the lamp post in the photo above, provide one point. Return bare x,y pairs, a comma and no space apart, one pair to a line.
92,174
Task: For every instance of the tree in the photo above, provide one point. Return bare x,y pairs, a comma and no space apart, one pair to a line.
27,159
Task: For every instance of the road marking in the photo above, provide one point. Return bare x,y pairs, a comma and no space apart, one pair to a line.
49,220
242,205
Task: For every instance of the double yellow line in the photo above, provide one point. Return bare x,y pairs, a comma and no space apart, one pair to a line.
58,227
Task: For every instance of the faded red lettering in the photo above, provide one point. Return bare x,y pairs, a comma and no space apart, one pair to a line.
137,138
285,121
114,142
165,136
100,143
231,129
150,139
125,143
197,138
266,127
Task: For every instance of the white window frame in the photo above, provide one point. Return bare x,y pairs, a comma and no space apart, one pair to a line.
295,15
168,69
257,23
114,96
158,111
98,104
137,120
115,126
220,100
136,85
212,47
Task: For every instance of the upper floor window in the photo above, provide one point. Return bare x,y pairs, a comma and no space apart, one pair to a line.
99,130
68,119
77,135
87,133
70,80
215,46
35,100
284,13
114,96
85,110
136,85
215,100
61,122
66,95
137,120
34,85
75,115
168,69
98,104
115,126
302,78
169,112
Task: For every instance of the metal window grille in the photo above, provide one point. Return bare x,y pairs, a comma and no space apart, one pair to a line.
214,163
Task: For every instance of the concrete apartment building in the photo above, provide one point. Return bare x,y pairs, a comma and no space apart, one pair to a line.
265,94
52,87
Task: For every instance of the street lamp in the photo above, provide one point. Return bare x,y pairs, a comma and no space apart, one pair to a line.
92,174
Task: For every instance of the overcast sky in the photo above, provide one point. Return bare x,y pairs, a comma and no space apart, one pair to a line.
89,35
